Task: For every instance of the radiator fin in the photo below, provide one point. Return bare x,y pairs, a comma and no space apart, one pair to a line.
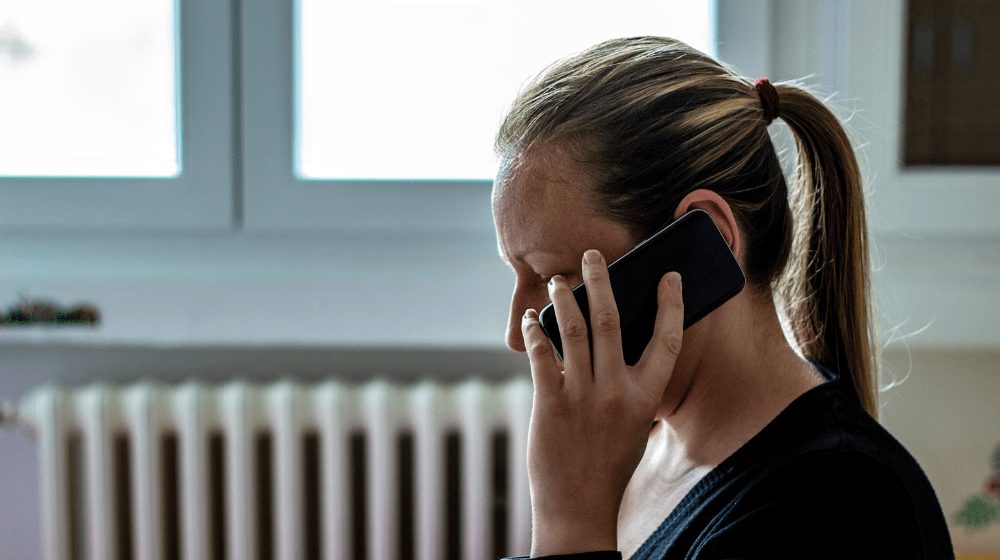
99,423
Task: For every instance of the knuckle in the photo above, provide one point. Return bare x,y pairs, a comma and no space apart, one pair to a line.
538,348
672,342
605,321
574,330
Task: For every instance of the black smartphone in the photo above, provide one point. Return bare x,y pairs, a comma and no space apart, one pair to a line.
691,245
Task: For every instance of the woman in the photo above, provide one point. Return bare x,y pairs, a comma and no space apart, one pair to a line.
764,440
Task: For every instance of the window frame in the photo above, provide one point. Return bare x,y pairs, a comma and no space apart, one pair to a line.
276,200
236,104
253,132
200,197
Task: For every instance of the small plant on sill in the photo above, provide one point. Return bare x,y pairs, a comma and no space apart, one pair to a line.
43,312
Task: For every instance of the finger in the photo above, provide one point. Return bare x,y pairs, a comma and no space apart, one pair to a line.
605,325
573,331
545,372
657,362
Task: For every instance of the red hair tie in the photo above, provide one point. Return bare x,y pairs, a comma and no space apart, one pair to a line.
768,99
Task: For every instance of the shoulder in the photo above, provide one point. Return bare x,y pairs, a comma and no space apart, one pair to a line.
841,487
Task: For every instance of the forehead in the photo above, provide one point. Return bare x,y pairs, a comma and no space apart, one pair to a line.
543,206
543,181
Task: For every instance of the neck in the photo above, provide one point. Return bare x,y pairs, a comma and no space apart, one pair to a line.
738,374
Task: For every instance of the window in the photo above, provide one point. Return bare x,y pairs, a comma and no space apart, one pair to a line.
254,150
304,186
391,89
92,102
89,89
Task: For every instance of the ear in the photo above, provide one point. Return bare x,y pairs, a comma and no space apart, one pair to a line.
718,209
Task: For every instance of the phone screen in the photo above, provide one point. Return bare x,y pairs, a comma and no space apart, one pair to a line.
691,245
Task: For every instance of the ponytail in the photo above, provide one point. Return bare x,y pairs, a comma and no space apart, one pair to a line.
827,287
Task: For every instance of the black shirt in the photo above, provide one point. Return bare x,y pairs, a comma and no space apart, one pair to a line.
823,480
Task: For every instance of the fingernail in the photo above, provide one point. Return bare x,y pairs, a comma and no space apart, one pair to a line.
593,256
529,314
553,280
674,279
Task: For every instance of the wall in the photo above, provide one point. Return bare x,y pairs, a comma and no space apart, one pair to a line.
945,411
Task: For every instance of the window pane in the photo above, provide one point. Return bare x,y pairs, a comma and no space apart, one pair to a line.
416,89
88,88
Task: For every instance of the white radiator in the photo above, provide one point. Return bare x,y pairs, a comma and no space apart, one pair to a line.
244,472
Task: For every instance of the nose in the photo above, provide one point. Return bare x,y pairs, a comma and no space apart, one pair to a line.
515,341
524,298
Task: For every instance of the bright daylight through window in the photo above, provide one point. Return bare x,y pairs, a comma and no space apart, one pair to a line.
397,89
88,88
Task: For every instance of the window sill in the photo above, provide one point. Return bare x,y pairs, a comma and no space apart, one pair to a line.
428,290
424,290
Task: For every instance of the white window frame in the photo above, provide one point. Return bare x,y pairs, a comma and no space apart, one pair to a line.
277,200
199,198
240,174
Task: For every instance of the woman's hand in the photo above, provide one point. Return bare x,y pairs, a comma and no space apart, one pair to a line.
590,423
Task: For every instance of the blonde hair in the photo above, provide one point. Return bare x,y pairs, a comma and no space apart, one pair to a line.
652,119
